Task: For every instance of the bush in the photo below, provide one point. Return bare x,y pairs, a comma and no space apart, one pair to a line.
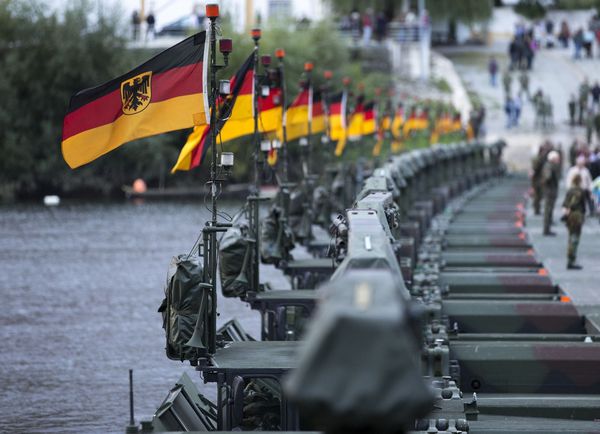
577,4
531,9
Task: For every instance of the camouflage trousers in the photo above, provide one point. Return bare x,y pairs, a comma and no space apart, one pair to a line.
574,234
537,197
549,201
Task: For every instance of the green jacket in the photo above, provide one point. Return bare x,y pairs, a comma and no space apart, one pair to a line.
551,177
584,91
575,203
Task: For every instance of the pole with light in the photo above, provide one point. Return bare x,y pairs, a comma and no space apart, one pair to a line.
205,333
280,54
346,81
254,199
325,92
305,142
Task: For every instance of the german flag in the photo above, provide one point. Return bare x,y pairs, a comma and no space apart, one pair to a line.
398,122
456,124
357,119
337,115
229,113
269,111
238,119
369,125
297,114
384,125
469,132
319,123
337,121
193,152
415,123
164,94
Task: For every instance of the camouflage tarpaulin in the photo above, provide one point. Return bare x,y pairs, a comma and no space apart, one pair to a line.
234,259
180,308
276,239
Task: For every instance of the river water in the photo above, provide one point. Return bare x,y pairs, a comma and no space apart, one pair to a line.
80,286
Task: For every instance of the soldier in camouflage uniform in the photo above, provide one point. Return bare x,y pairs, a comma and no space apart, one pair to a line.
584,92
572,109
536,176
524,83
589,125
551,180
596,123
507,83
573,215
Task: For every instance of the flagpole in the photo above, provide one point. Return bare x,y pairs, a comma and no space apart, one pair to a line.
280,54
344,118
254,209
308,67
209,233
213,118
325,99
325,91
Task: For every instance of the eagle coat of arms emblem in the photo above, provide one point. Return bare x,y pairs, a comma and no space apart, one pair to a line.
136,93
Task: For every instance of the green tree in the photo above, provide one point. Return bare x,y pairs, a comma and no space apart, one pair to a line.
43,63
468,11
531,9
45,57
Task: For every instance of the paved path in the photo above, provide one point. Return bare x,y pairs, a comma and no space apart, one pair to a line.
559,75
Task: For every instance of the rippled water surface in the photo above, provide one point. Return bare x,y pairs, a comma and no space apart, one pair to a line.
80,288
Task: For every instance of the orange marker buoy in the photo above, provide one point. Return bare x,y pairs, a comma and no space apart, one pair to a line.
565,299
543,272
139,186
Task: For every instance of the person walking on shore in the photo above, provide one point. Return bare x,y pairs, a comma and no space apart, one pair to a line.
524,84
572,109
507,83
573,208
493,70
136,22
584,93
551,180
537,166
595,92
585,179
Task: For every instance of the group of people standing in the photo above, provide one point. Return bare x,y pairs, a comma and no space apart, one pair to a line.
136,24
584,109
546,175
514,100
582,39
521,52
365,26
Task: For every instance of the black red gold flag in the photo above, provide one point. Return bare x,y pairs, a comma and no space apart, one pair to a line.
318,113
297,115
235,112
369,125
357,118
166,93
